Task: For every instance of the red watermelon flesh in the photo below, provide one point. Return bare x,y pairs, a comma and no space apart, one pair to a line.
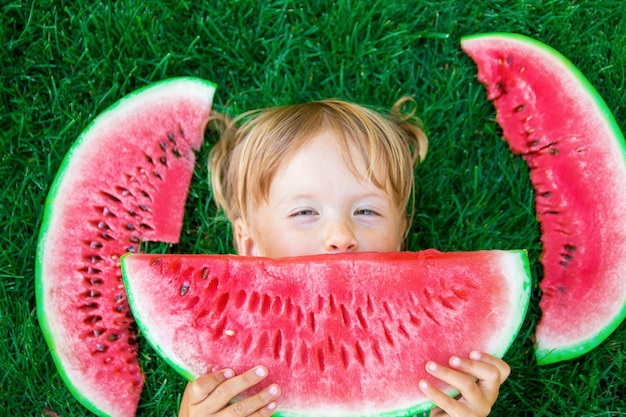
125,180
552,116
344,334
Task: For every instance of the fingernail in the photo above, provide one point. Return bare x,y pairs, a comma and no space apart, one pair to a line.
423,385
475,355
432,366
260,372
229,373
271,406
273,390
455,361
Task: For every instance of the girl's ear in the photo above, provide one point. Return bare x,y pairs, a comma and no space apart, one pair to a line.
244,242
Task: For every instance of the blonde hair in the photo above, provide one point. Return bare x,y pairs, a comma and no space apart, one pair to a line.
252,146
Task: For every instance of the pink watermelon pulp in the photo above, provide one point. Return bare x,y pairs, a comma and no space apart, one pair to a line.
552,115
124,180
341,334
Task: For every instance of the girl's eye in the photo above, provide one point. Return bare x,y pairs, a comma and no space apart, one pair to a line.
365,212
303,212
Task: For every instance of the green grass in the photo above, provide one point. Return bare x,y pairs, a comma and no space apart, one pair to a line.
62,62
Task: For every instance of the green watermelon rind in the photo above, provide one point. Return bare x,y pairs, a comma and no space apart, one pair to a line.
547,356
82,140
518,256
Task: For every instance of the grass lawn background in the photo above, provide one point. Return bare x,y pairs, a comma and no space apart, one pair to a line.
63,62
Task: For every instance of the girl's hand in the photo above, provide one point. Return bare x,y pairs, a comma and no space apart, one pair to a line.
478,378
211,395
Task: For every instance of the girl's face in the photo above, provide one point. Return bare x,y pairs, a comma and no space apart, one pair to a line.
317,205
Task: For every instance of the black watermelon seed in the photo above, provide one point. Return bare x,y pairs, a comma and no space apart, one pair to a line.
95,245
570,248
94,293
111,197
93,258
89,270
92,319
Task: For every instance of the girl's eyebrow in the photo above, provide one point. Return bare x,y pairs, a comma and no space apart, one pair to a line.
289,200
294,197
379,194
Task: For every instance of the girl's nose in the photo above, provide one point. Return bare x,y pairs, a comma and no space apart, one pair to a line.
340,238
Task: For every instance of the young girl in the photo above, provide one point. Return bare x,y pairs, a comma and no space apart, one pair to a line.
324,177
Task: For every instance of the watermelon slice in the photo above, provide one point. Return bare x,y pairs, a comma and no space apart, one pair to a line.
344,334
552,116
124,180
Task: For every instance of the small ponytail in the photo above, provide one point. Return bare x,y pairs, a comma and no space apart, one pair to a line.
412,126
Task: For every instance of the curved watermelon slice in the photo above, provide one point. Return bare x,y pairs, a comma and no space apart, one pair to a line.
552,115
124,180
345,334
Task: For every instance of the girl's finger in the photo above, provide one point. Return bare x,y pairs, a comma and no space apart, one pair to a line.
486,374
262,404
503,368
225,392
446,404
478,382
266,411
204,385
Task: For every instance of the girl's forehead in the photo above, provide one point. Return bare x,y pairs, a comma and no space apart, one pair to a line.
323,146
318,171
325,143
325,153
